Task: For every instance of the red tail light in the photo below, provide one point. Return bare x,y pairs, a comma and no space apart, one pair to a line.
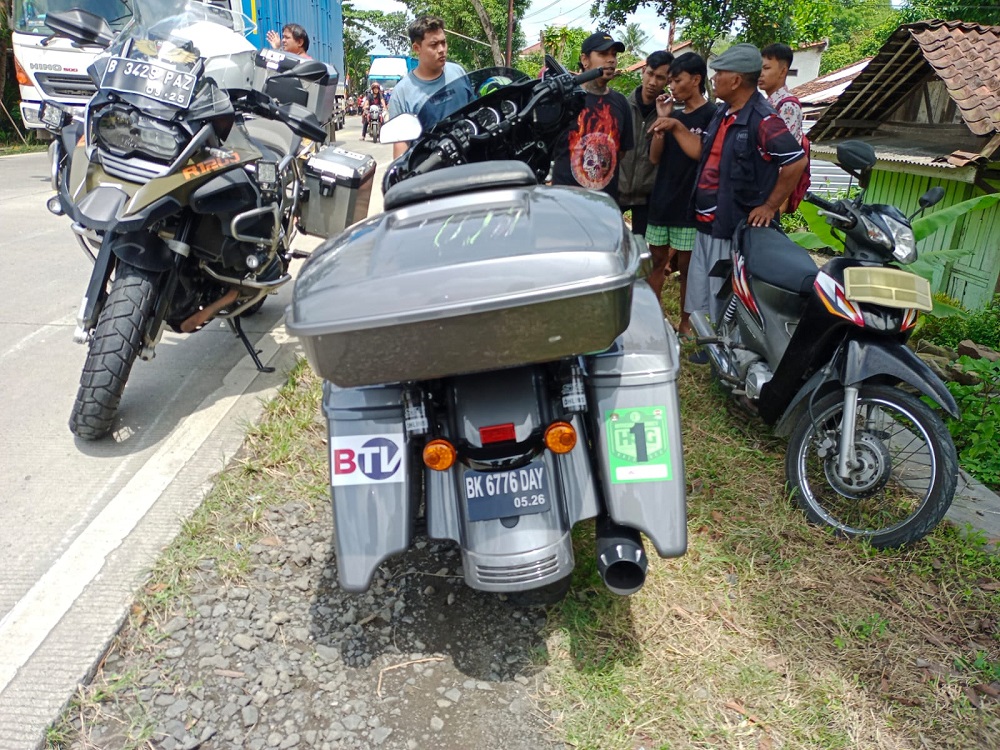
498,433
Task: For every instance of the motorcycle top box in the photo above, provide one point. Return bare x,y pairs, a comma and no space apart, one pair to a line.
497,279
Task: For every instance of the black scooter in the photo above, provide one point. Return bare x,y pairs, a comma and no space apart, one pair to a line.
820,354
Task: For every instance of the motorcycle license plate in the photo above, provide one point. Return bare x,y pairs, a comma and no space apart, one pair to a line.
501,494
149,79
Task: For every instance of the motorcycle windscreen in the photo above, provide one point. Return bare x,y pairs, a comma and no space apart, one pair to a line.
473,87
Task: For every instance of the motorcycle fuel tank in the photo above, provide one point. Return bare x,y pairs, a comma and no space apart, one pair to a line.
467,283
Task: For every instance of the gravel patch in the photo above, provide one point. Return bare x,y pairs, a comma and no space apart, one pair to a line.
288,660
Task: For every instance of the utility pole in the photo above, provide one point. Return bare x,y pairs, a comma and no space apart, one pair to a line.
510,33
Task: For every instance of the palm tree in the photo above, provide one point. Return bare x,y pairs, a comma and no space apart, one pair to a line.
634,39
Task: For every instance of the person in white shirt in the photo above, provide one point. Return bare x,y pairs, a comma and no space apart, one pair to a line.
773,75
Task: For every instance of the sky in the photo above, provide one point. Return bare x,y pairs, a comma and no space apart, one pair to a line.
544,13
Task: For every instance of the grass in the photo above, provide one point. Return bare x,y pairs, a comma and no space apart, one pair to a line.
20,148
768,633
771,633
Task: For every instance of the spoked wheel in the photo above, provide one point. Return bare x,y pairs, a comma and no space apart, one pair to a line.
903,470
116,343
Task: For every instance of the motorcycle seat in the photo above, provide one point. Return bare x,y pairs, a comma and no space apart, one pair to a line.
463,178
776,260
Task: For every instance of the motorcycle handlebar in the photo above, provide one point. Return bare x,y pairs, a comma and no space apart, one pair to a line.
588,75
822,203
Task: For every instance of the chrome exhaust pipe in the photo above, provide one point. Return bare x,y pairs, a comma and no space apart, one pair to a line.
621,559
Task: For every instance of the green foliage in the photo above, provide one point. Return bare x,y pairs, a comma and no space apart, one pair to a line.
460,17
978,432
951,10
635,39
927,225
981,326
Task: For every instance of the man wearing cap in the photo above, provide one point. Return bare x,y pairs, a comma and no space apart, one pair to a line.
588,155
748,166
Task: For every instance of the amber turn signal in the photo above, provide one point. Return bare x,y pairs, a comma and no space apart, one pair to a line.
439,455
560,437
21,75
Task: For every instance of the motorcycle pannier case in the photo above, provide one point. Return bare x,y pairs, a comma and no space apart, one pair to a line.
339,184
467,283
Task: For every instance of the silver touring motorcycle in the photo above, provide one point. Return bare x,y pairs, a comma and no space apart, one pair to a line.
495,373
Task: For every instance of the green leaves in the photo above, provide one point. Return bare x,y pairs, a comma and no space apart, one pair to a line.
820,234
927,225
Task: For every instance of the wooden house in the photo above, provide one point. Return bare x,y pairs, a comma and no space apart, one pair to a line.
929,103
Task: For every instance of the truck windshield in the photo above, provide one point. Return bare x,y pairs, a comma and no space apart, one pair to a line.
29,15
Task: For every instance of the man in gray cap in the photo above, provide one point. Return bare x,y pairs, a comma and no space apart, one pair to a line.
588,154
749,165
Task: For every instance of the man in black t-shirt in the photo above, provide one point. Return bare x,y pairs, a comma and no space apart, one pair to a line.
587,155
671,231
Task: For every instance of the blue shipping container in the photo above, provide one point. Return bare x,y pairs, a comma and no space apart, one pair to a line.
323,21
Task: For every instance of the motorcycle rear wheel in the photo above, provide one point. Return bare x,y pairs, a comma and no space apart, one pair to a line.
905,473
113,349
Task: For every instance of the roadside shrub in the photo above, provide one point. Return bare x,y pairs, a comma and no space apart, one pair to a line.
977,433
982,326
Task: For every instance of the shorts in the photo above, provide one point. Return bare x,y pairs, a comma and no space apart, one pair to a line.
679,238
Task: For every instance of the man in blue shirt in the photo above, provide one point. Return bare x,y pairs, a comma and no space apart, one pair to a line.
433,73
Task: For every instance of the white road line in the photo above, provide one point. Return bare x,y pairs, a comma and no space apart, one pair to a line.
59,323
31,620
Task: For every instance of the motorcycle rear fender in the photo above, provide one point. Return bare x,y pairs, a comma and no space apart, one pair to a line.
537,549
867,360
372,513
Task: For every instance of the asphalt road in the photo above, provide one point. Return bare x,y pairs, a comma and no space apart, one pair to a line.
80,521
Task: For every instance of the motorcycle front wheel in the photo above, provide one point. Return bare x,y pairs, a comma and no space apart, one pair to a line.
113,349
903,474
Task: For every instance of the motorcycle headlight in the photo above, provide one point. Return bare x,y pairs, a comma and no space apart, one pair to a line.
904,243
125,132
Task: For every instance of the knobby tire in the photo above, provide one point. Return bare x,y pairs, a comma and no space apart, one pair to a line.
113,349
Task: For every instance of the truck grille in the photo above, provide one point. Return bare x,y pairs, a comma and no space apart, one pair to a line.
59,85
132,169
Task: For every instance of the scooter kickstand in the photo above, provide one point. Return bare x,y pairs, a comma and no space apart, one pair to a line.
237,327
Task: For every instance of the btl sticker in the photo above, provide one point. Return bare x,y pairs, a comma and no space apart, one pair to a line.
639,444
367,459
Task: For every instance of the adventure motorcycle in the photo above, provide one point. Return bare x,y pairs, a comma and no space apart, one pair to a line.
495,374
820,353
181,180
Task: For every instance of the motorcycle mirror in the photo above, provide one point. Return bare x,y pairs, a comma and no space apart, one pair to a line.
404,127
928,199
302,122
856,156
80,26
931,197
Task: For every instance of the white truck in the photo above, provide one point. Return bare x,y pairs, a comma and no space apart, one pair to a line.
54,68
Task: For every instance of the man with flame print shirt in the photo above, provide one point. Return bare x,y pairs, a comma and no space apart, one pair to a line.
588,155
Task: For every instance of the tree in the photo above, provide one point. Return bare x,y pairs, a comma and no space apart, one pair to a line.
634,39
978,11
705,22
462,17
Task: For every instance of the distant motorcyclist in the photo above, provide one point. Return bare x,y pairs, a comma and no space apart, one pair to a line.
374,96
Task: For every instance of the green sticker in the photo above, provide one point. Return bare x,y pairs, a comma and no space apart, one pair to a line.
639,444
